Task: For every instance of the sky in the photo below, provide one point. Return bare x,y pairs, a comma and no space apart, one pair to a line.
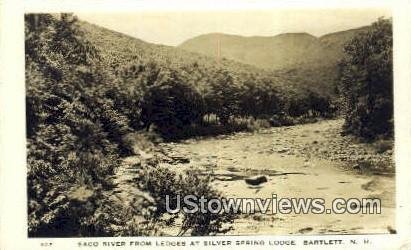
173,28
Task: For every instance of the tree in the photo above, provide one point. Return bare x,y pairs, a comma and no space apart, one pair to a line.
223,98
260,99
74,132
171,104
366,82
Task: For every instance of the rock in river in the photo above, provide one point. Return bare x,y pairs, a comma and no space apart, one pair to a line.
283,150
256,180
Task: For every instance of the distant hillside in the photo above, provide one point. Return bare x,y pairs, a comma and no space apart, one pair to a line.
284,51
276,52
299,60
335,41
118,49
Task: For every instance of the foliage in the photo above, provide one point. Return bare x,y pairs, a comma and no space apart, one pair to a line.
73,132
228,89
366,82
90,91
170,104
161,181
80,115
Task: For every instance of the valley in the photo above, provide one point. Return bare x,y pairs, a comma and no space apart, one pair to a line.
115,124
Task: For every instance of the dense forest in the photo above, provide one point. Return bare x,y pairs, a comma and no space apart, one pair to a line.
89,89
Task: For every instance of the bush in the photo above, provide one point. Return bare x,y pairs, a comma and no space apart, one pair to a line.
382,145
161,181
281,120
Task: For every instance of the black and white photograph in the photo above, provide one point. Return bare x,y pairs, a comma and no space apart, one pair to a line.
210,123
139,125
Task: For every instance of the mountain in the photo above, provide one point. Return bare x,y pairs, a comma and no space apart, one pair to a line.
118,49
296,60
300,58
335,41
276,52
283,51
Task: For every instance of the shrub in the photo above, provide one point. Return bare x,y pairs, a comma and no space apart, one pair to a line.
382,145
161,181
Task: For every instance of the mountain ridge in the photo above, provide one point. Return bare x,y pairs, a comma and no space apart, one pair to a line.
281,51
310,65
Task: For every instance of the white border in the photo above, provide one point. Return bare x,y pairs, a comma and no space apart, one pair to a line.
199,5
13,215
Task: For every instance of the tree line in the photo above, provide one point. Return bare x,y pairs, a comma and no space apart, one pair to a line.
173,100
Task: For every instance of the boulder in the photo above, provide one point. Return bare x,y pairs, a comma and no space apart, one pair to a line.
256,180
